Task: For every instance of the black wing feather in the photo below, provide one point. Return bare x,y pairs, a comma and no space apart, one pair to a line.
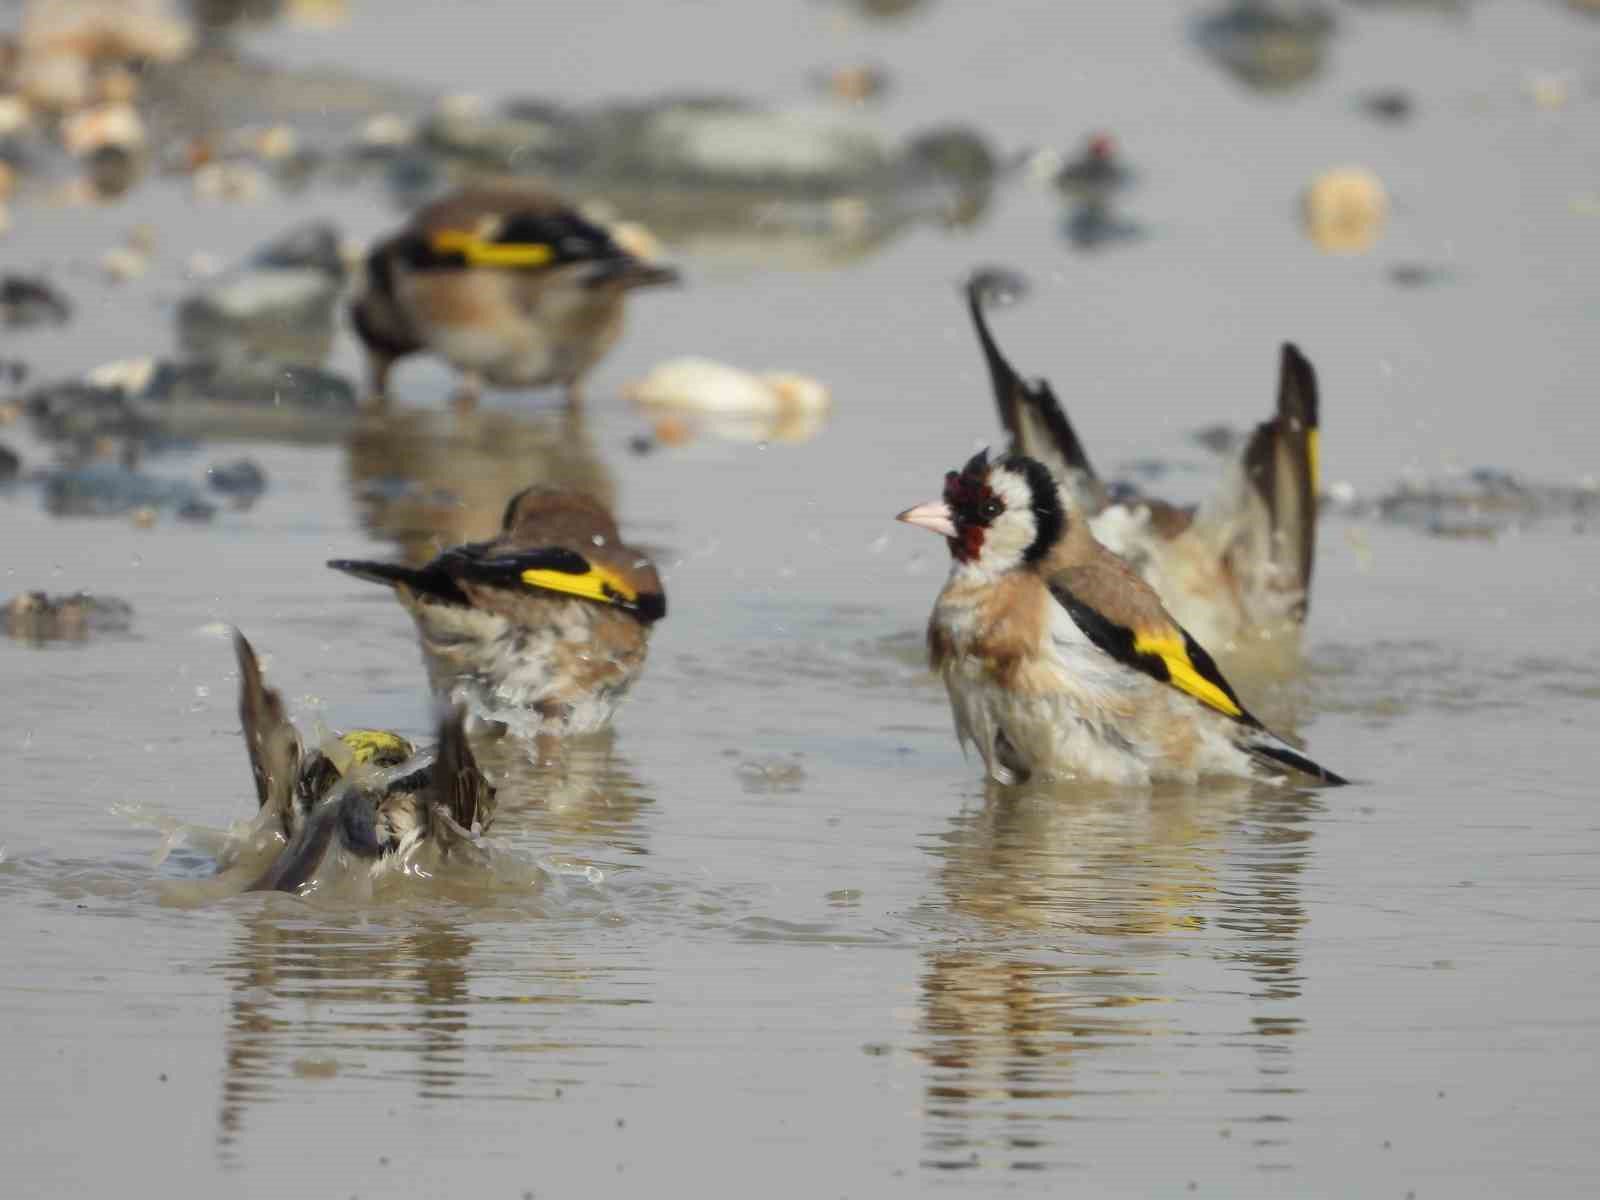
428,581
1278,462
1023,404
458,786
472,565
1118,641
1283,756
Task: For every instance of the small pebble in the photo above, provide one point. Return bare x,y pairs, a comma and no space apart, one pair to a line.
1345,210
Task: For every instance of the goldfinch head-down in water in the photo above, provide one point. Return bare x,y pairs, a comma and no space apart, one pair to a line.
368,796
511,286
1236,569
551,617
1060,661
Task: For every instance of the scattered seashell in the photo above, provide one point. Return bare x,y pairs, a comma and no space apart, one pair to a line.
127,374
57,82
105,29
1345,210
117,85
703,385
15,115
105,125
228,181
124,263
387,131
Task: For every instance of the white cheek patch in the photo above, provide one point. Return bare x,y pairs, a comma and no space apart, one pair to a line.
1013,531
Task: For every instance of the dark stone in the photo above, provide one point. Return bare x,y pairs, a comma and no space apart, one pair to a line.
104,489
279,305
37,617
242,479
1270,45
77,411
1392,105
314,245
28,300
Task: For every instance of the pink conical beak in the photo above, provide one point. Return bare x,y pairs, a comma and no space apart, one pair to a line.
934,515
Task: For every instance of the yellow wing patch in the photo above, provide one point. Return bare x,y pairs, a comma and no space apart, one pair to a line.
479,252
1314,455
1183,674
594,584
376,745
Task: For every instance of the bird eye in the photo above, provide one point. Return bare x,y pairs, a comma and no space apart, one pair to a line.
990,509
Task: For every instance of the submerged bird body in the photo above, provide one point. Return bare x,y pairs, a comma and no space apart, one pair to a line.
552,617
367,793
1234,569
512,287
1059,660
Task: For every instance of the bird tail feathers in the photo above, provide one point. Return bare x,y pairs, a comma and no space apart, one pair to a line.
1038,425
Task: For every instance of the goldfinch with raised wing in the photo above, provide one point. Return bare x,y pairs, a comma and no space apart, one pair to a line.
1237,568
367,794
551,617
512,287
1060,661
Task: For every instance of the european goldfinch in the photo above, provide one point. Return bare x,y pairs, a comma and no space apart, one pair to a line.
512,287
552,616
1237,569
1059,660
369,791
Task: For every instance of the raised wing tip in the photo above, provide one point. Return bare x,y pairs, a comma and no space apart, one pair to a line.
996,285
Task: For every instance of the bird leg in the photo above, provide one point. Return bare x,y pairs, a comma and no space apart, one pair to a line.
378,367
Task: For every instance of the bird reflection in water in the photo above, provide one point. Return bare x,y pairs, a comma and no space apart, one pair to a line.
1096,910
570,795
426,480
312,997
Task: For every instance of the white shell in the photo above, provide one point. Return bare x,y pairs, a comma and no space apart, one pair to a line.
705,385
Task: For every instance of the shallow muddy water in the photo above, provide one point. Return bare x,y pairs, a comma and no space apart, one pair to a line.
773,933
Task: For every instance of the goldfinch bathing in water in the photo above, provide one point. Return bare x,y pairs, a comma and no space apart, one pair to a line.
511,287
369,793
552,616
1060,660
1235,569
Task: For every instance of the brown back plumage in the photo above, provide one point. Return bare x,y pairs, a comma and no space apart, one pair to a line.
1103,580
269,737
538,517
